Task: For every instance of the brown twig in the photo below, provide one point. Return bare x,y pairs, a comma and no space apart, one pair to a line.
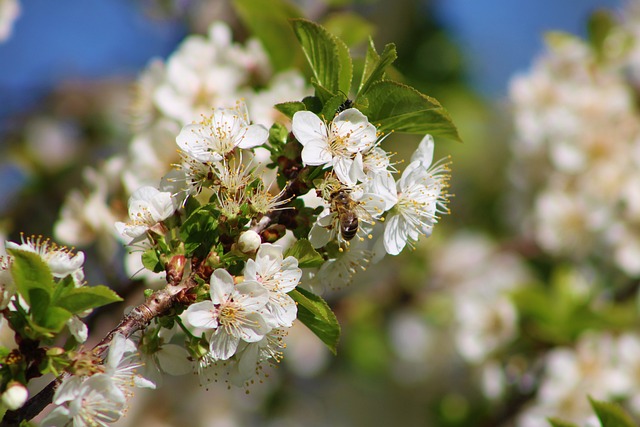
158,304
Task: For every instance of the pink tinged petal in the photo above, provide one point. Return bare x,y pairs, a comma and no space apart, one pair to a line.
253,295
223,345
253,136
256,328
283,309
202,315
307,128
269,254
395,235
424,152
174,359
316,153
251,270
222,286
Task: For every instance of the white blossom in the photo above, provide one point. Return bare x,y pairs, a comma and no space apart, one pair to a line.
210,140
147,207
232,314
279,276
340,144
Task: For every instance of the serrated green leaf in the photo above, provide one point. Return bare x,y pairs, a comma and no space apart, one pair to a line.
40,302
322,93
62,288
312,103
29,272
268,20
331,107
316,315
290,108
151,261
87,297
611,414
555,422
305,254
199,230
375,66
323,54
350,27
346,67
400,108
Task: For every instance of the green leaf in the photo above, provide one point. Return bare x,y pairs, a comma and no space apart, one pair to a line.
40,302
87,297
327,55
290,108
199,231
151,261
400,108
30,272
601,22
305,254
375,66
611,414
350,27
555,422
54,319
314,312
331,107
268,20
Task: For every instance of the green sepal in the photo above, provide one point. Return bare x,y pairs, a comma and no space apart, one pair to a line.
151,260
316,315
397,107
375,66
200,230
268,20
87,297
290,108
30,272
305,254
611,414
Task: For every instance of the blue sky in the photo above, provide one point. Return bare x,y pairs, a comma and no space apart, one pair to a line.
64,39
501,37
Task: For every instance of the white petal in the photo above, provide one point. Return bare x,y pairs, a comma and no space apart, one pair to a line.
222,286
316,153
223,345
424,152
173,359
202,315
254,295
395,235
257,330
307,127
78,329
254,136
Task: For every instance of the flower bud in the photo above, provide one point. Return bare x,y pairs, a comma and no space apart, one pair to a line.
249,242
175,269
14,396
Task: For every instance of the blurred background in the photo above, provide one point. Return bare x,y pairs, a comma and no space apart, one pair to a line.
489,322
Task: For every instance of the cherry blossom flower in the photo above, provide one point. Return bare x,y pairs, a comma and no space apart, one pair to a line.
233,314
147,207
279,276
210,140
339,145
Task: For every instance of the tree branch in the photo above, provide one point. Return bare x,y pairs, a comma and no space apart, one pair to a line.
158,304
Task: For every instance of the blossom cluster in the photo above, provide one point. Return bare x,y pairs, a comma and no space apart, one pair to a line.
576,157
359,183
205,72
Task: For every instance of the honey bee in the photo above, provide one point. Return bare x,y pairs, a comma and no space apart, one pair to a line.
345,208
